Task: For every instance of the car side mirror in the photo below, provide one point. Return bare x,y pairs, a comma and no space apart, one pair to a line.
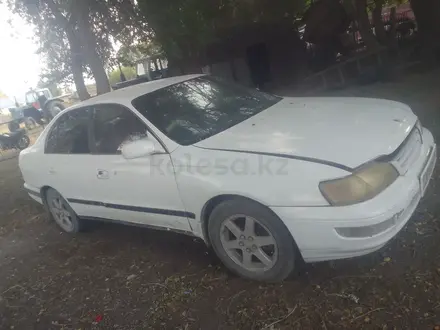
138,148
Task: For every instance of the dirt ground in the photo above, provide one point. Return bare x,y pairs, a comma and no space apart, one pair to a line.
116,277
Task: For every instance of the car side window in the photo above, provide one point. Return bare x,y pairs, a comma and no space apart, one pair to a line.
70,133
113,126
46,93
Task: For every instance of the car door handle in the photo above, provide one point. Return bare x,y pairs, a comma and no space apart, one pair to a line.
102,174
51,171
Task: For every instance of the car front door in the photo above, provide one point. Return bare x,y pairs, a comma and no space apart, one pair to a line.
141,190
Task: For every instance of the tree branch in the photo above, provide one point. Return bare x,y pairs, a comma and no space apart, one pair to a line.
62,20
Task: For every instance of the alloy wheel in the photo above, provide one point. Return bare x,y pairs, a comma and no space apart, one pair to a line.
248,243
60,212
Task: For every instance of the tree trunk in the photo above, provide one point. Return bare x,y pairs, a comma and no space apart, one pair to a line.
75,52
88,41
379,28
364,25
78,78
393,28
77,67
427,14
97,67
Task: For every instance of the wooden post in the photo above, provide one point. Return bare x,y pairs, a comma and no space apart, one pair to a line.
341,75
379,59
358,65
324,81
233,71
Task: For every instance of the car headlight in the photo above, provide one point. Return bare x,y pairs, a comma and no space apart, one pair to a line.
365,183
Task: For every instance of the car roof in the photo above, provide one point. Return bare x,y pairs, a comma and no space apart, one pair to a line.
131,92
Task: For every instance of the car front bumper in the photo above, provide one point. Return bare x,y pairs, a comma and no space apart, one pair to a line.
329,232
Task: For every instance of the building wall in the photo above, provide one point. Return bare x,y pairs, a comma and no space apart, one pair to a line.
242,71
222,69
229,56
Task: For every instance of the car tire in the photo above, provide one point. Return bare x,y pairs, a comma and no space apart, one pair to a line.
61,212
55,107
24,142
246,248
30,123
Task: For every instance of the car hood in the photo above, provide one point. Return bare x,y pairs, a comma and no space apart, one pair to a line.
346,131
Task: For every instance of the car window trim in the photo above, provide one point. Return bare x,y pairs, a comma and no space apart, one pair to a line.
92,128
55,124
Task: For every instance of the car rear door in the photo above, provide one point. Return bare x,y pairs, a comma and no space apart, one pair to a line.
68,160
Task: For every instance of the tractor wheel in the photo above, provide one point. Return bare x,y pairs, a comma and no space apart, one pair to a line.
30,123
55,107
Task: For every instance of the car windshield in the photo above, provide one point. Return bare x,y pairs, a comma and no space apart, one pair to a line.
31,97
196,109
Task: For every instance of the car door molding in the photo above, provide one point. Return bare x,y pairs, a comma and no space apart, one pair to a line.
140,225
133,208
306,159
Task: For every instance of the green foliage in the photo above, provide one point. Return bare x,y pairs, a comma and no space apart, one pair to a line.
395,2
53,87
179,26
129,55
114,76
183,27
371,4
111,20
53,45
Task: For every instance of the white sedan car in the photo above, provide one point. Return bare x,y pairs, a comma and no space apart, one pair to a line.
264,180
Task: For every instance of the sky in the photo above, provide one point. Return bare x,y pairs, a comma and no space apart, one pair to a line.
20,66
